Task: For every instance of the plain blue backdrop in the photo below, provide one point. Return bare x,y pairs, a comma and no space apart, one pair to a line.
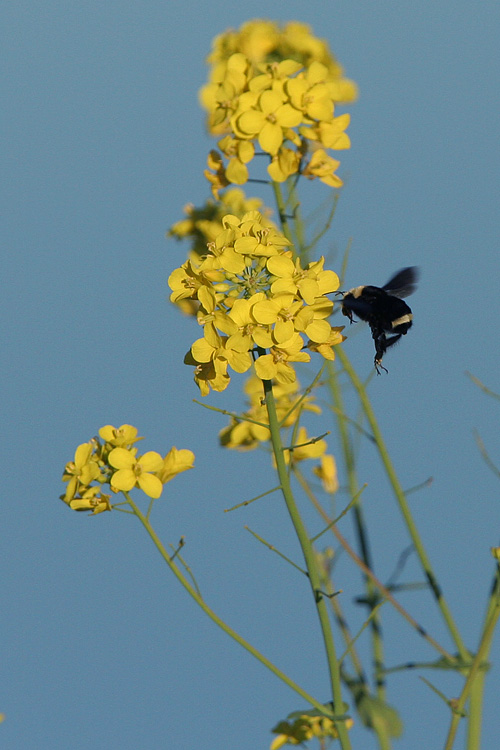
103,145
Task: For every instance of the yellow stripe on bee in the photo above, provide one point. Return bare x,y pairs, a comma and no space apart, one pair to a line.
403,319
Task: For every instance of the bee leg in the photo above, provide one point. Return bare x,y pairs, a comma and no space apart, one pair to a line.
382,343
392,340
380,340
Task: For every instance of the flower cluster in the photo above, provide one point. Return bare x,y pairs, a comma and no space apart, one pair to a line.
113,461
303,727
276,88
251,429
203,224
255,303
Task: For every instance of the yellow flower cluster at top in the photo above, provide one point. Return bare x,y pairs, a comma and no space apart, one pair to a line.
278,88
255,303
115,462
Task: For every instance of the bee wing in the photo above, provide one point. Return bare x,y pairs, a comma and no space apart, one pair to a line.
403,283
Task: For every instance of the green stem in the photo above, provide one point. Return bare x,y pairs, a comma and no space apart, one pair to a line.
311,563
215,618
370,574
280,202
474,671
403,505
375,624
477,691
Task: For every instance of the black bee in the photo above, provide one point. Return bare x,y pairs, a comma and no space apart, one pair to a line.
383,309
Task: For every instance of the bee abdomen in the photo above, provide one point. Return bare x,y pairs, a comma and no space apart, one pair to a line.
403,323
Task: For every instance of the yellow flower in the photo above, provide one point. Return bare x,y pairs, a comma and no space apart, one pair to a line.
277,86
276,364
304,728
175,462
283,164
82,471
306,447
266,118
310,283
327,472
92,499
209,374
202,224
247,331
245,434
119,437
213,348
323,166
329,134
309,93
325,348
136,471
217,177
281,311
251,294
186,282
261,40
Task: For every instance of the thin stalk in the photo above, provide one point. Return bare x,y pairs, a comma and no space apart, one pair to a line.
280,202
362,534
378,584
403,505
477,691
473,673
311,564
168,559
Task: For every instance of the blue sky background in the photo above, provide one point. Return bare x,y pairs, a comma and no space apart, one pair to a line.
103,145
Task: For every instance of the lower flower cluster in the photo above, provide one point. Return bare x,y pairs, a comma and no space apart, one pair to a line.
302,727
112,460
256,305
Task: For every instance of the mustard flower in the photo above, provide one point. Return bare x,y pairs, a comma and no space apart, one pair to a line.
284,164
115,462
247,332
203,224
305,447
303,728
281,311
329,134
266,118
136,471
262,40
325,348
323,166
206,377
252,429
277,365
213,348
310,94
92,499
327,473
175,462
310,283
253,298
82,471
216,173
119,437
277,87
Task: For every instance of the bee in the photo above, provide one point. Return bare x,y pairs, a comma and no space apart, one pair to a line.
383,309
